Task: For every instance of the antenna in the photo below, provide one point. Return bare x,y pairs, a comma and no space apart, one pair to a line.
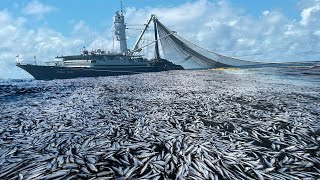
121,5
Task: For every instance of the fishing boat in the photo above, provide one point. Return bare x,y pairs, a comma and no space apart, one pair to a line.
99,62
177,53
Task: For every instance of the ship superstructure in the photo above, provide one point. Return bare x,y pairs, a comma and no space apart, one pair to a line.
120,32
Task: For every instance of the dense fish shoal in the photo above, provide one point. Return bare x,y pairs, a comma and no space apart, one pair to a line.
239,124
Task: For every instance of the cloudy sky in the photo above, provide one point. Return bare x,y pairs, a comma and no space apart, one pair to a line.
261,30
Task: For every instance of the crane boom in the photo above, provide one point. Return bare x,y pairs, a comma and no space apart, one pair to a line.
136,45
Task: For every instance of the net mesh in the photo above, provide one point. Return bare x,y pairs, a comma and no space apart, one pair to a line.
190,56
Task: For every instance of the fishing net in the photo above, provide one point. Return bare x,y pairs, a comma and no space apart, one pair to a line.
190,56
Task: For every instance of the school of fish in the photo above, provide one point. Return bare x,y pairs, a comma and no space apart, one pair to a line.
167,125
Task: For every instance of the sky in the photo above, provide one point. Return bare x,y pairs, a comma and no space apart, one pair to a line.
259,30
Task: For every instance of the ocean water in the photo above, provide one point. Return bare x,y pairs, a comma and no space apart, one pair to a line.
244,123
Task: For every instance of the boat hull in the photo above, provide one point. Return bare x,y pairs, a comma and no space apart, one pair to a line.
40,72
56,72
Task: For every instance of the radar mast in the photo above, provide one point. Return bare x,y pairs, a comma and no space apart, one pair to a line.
120,30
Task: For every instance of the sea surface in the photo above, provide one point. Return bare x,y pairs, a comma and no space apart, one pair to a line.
259,123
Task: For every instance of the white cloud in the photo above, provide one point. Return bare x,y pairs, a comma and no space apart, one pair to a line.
91,38
232,31
42,42
81,28
36,8
310,15
217,26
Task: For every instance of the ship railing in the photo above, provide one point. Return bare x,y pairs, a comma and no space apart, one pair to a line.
40,63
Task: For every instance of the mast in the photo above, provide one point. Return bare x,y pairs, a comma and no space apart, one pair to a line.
156,52
121,6
136,45
120,31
